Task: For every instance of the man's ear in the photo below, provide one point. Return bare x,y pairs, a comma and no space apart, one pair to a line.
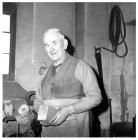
65,44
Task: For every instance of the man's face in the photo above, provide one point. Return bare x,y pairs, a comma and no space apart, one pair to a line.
54,46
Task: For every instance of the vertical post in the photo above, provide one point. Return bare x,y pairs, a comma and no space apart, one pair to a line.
110,104
110,128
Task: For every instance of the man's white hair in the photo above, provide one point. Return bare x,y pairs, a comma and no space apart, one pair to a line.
54,31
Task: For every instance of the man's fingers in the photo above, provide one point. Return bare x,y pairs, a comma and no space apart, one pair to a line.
52,120
55,120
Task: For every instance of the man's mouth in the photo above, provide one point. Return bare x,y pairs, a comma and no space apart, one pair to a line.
53,53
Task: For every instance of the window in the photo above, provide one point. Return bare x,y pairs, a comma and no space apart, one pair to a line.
6,42
9,38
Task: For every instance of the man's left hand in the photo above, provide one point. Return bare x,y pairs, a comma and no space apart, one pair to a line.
60,116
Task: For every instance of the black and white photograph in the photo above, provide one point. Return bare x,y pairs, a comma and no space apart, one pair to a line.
68,69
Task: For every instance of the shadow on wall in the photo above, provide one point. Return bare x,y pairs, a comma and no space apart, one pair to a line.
95,128
70,48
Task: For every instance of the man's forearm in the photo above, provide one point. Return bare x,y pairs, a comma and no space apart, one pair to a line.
84,104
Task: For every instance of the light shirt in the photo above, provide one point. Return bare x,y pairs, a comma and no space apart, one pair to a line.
85,74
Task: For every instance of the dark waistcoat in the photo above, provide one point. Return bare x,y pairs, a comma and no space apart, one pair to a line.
63,85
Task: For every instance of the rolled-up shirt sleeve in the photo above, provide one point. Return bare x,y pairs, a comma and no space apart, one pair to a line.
87,77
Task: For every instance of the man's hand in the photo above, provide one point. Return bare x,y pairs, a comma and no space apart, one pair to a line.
61,116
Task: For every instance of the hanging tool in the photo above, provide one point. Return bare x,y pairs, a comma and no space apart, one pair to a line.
124,96
117,31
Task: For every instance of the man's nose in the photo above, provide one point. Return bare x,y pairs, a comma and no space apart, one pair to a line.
51,48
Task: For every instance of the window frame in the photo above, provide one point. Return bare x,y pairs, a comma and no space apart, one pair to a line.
11,9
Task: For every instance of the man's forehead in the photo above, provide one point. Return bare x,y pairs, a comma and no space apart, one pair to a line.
48,37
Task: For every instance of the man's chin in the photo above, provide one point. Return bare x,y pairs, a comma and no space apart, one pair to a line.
54,59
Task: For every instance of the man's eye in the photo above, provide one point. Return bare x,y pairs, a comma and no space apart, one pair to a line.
47,45
55,43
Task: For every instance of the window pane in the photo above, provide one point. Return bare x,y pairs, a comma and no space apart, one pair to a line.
5,47
6,23
5,65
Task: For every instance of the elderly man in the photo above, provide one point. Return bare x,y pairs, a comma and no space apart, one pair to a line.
69,87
